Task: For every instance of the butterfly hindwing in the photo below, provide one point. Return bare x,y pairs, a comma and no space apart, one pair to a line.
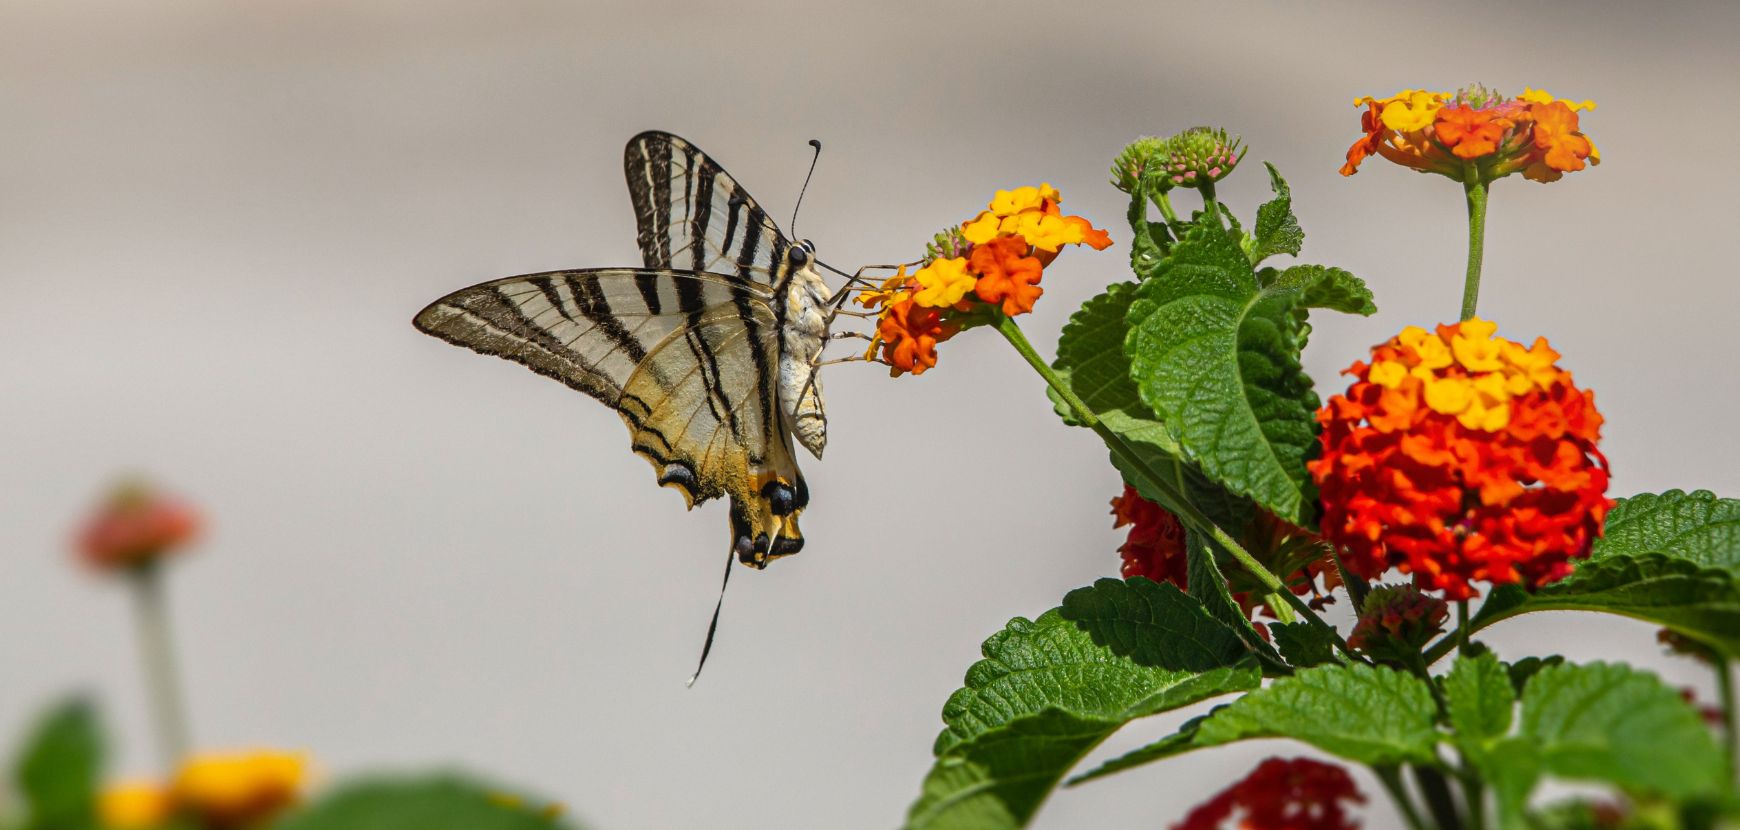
689,360
692,214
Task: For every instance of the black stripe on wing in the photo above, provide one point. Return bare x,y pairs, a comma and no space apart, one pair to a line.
690,213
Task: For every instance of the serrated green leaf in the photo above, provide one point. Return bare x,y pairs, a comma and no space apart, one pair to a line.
1612,723
1700,603
1303,644
1052,663
999,781
1277,230
1696,526
1205,583
1217,358
1480,699
1090,359
435,802
1321,286
1177,743
1153,625
1372,715
59,769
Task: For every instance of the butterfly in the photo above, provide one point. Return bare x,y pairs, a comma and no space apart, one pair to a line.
709,352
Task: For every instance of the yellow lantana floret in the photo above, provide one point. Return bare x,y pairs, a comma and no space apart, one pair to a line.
943,283
1541,96
134,805
241,787
1412,110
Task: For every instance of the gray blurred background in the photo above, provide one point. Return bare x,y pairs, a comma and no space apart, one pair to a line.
216,220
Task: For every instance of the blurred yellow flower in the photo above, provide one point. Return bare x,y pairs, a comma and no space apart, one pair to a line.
943,283
134,805
238,789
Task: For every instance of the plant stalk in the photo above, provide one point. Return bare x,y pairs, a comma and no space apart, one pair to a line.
1187,512
1436,792
1730,737
1210,205
1392,781
157,657
1475,187
1462,627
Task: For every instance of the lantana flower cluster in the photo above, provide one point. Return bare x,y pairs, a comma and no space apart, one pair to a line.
1475,134
136,526
1396,622
1459,456
988,265
1289,793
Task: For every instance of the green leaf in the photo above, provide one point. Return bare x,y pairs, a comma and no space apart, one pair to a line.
1358,712
1000,780
1277,230
1217,358
1520,671
1205,583
1611,723
1051,689
1372,715
1153,625
1480,700
1052,663
1697,527
435,802
1177,743
59,770
1700,603
1303,644
1321,286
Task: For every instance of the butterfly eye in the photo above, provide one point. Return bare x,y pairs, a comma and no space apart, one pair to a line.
800,255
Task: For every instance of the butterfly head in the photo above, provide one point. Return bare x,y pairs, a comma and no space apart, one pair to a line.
803,254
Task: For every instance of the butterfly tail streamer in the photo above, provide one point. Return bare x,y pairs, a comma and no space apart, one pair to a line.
713,627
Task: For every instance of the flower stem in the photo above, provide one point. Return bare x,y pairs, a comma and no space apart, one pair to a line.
1462,627
1209,205
1392,781
1474,796
1435,790
1186,512
1475,187
157,655
1725,693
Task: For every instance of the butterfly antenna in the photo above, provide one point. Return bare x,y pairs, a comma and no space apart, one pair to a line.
816,143
713,627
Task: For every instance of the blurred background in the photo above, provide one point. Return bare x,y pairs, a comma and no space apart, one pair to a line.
217,219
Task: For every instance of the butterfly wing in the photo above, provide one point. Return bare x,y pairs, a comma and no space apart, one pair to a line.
689,360
692,214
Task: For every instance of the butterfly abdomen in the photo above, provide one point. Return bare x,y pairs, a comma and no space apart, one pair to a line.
804,335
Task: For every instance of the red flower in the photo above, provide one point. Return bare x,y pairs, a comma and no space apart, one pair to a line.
909,333
1155,547
1282,794
135,526
1460,457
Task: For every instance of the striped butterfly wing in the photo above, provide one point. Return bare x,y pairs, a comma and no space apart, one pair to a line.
689,360
692,214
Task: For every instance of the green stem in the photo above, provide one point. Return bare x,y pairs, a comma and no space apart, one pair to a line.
1283,612
1209,205
1474,795
1475,187
1462,627
1725,693
1392,781
1186,512
157,655
1164,202
1436,792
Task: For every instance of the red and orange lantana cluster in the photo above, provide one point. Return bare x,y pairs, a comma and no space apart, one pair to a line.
1475,133
1282,794
990,264
1458,456
1155,547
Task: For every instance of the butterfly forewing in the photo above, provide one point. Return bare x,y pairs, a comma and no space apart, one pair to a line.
689,360
692,214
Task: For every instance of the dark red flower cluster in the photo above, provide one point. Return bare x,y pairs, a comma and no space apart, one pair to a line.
1282,794
1155,547
1397,621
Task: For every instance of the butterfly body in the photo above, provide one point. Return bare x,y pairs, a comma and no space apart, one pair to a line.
709,352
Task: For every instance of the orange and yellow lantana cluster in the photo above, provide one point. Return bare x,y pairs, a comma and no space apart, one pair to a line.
990,265
1475,133
1458,456
213,791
